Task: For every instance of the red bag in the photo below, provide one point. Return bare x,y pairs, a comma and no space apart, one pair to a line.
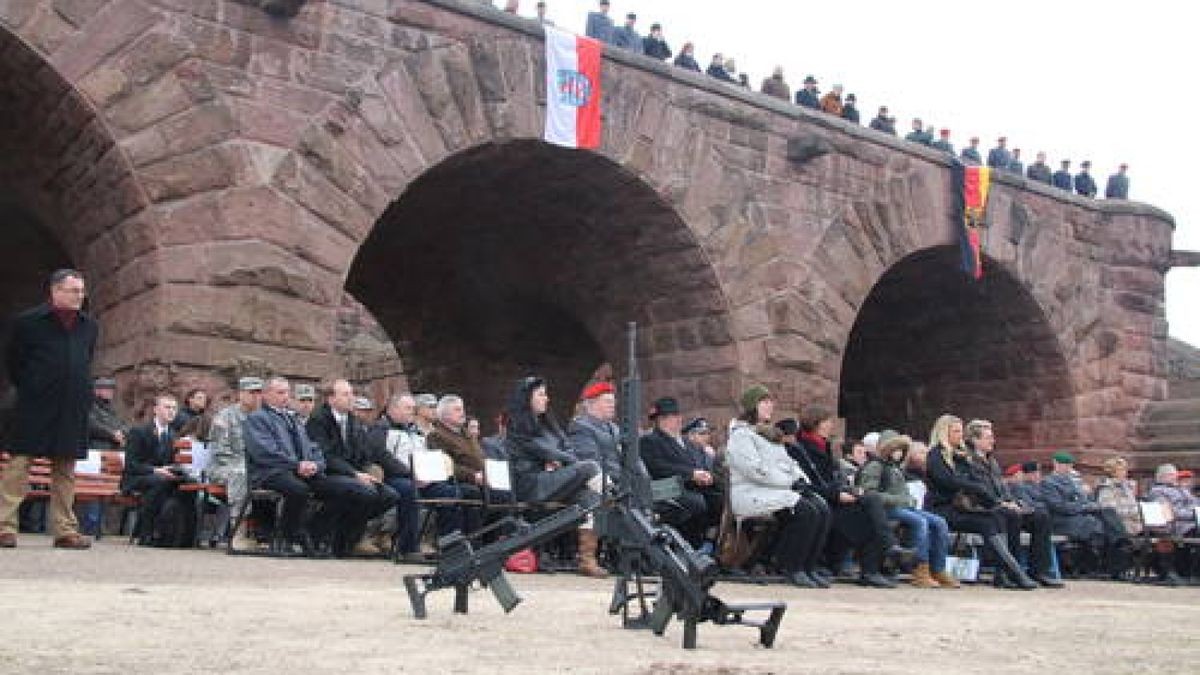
522,562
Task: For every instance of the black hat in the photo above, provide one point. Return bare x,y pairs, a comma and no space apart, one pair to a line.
1066,162
851,97
631,15
1029,467
788,426
1086,163
810,80
697,424
664,406
104,383
655,26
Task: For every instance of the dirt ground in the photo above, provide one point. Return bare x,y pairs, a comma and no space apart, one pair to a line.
123,609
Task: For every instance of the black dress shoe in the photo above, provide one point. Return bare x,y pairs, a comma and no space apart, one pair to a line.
1046,581
801,579
876,580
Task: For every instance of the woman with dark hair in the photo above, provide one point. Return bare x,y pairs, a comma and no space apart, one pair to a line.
192,418
544,467
765,481
859,518
958,493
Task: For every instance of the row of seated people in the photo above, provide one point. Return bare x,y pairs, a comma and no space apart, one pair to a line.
361,471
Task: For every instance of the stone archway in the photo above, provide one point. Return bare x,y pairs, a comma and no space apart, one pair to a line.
518,257
928,340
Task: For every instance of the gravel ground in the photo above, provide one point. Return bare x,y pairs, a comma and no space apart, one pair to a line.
123,609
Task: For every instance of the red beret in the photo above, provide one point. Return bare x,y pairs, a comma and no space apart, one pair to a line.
1012,470
598,389
1184,473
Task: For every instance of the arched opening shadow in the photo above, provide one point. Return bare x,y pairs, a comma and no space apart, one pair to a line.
929,340
520,257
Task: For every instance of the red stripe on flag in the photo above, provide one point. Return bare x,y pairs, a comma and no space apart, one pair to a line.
973,240
587,122
971,191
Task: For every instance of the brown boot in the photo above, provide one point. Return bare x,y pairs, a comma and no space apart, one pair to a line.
946,580
588,565
74,541
921,577
8,540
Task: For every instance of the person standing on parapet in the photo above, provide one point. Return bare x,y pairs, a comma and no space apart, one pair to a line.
882,122
776,86
809,97
1039,170
970,154
599,25
1015,165
49,361
1118,184
1084,183
943,142
999,157
626,37
850,109
1062,178
917,135
687,58
655,45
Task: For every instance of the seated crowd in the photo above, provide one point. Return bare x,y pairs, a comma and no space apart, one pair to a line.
815,509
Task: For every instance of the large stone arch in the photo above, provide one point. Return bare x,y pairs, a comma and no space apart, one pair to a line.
520,257
67,192
929,340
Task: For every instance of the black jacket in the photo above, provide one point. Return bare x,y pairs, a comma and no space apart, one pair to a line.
664,457
850,113
145,451
51,368
687,62
823,473
947,480
656,48
808,99
356,453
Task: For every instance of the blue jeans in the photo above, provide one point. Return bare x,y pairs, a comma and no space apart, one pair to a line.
931,536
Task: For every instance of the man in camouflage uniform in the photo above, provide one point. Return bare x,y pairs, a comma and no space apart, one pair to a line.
228,464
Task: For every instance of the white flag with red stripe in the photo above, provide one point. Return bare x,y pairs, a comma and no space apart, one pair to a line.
572,89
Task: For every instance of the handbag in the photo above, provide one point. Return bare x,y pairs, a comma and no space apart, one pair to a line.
524,561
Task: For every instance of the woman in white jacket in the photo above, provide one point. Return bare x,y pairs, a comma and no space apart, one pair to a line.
765,481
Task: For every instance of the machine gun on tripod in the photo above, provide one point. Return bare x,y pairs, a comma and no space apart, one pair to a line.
660,575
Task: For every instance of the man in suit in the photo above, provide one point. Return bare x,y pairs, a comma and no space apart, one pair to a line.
148,466
342,438
665,454
282,458
599,24
49,361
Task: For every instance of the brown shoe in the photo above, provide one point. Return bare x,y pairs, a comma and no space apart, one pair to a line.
946,580
76,542
8,540
921,577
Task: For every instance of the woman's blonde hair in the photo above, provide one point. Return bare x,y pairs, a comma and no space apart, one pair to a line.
939,437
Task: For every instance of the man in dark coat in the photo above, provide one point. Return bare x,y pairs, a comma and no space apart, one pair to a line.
343,440
1062,178
1039,171
1084,184
1015,165
149,470
1118,184
883,122
970,154
654,46
599,25
1077,516
626,37
918,135
49,360
999,157
281,457
809,96
687,58
665,454
717,69
943,142
850,109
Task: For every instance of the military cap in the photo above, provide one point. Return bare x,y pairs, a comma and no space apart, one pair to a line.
664,406
363,403
425,400
1030,467
104,383
306,392
696,425
1063,457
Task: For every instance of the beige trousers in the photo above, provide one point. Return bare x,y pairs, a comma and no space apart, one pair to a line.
62,494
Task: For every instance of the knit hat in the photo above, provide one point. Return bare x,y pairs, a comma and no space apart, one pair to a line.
753,395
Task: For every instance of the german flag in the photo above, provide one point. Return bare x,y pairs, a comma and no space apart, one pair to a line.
971,186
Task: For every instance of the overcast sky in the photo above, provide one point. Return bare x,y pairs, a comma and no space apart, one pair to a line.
1100,80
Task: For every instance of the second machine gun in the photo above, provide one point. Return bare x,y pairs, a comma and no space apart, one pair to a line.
660,575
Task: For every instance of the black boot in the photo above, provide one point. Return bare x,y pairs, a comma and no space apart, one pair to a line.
1011,567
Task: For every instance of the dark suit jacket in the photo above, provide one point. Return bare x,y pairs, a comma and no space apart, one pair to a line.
145,451
664,457
276,443
356,453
